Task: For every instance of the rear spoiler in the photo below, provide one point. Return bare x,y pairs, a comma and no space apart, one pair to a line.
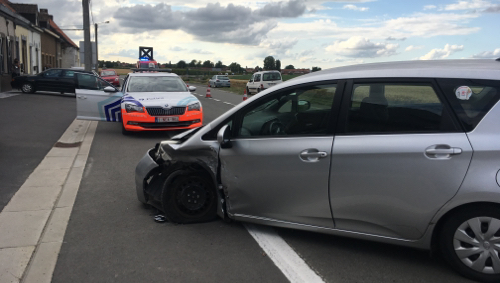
140,70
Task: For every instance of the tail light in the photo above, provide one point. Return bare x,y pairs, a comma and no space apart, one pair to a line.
262,86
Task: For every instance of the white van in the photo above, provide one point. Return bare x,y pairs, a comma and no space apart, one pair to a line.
263,80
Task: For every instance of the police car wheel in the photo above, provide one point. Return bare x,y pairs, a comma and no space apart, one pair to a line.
190,198
27,88
124,131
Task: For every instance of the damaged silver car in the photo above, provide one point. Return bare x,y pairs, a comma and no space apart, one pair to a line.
406,153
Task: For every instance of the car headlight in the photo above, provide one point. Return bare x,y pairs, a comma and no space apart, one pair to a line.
194,107
133,108
116,79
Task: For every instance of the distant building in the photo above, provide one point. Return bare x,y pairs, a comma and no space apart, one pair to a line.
70,54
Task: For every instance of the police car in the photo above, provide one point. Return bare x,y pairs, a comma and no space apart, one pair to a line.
148,101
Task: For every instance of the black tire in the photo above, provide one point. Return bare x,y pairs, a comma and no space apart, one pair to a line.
258,90
124,131
455,234
190,198
27,88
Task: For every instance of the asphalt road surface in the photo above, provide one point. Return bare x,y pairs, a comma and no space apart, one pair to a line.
111,237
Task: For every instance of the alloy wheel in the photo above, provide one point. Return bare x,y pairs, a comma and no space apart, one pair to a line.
477,244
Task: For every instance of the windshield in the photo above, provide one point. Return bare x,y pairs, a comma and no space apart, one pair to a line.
223,78
271,76
108,73
156,84
148,66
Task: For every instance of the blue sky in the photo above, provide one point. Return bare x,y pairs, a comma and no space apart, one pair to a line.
298,32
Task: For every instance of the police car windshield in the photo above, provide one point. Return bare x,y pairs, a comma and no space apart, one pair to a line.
156,84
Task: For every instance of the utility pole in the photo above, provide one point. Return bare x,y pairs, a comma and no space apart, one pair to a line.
86,36
96,53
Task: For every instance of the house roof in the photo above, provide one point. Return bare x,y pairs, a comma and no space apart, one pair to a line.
6,3
24,8
56,28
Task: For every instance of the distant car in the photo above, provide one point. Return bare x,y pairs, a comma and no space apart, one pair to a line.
263,80
57,80
405,153
219,81
150,101
110,76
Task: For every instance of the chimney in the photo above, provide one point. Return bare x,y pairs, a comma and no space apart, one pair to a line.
44,11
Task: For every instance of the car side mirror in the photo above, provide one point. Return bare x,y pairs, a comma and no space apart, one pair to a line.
192,88
250,81
303,105
223,137
110,89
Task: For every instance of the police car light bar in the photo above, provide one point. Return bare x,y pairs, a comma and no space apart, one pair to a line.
136,70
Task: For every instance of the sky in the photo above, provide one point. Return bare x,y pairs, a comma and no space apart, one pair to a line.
303,33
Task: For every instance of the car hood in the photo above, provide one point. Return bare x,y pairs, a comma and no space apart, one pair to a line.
109,77
160,98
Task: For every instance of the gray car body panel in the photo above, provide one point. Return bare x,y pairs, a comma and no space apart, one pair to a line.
478,185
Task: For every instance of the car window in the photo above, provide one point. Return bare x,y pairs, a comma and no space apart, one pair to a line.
125,83
156,84
396,108
257,78
273,76
223,78
88,81
471,99
69,74
52,73
300,111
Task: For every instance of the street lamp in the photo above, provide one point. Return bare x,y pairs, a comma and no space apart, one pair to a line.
96,50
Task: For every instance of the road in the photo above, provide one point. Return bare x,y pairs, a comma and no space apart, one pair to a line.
111,237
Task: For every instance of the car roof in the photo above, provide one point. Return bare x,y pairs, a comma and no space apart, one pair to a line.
461,68
153,74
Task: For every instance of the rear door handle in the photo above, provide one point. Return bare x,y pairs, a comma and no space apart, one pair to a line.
82,97
312,155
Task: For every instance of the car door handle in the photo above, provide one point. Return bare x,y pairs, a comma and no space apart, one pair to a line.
82,97
442,151
312,155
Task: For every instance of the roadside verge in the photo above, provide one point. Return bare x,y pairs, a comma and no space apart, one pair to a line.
33,223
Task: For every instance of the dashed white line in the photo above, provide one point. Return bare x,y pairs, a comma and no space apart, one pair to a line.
215,99
286,259
228,103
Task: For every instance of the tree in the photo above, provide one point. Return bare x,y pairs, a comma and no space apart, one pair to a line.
181,64
198,64
257,69
278,65
289,67
219,64
192,63
235,67
208,64
315,69
269,63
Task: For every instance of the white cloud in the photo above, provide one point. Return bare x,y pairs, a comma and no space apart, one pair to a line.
487,54
468,5
442,53
430,7
177,48
360,47
414,47
355,8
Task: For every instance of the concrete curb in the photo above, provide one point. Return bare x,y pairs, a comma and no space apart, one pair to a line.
33,223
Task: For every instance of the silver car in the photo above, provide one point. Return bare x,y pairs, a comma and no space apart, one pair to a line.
403,152
219,81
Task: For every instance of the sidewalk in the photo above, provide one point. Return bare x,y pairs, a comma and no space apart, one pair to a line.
33,223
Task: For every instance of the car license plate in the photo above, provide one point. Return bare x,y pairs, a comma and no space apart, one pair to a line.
167,119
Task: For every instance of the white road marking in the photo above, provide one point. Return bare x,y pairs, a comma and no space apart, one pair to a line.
9,94
286,259
216,99
228,103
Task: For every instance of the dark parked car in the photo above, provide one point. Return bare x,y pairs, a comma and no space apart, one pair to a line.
58,80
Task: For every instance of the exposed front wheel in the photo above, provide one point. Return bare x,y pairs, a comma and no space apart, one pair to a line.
470,242
27,88
190,198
